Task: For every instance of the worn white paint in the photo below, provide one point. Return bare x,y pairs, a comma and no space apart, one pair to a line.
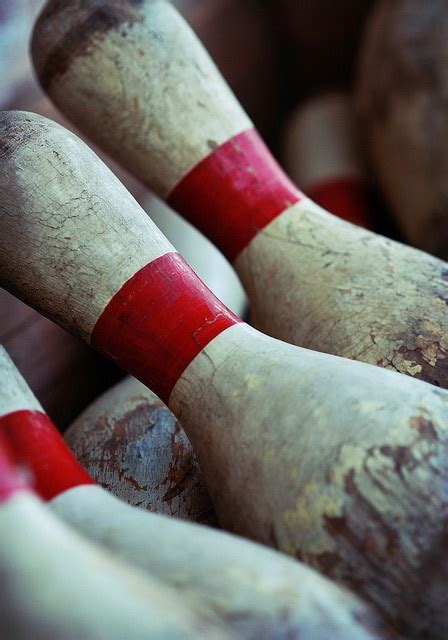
311,279
56,584
317,281
289,439
279,430
254,591
15,395
321,142
159,75
49,169
131,443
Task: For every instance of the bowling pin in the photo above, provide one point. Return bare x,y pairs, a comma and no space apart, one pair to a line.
401,87
335,462
132,445
320,152
162,109
256,592
56,584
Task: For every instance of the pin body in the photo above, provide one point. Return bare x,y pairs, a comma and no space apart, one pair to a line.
401,89
131,444
312,280
56,584
304,451
253,591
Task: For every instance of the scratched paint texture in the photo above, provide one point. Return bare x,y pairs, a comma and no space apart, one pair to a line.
37,152
255,592
56,584
97,60
161,107
347,291
132,445
401,98
337,462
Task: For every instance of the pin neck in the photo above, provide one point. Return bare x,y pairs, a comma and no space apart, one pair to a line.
235,192
37,444
159,321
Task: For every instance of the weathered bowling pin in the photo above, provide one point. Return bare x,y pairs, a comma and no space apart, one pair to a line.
131,443
401,89
321,153
161,108
56,584
336,462
256,592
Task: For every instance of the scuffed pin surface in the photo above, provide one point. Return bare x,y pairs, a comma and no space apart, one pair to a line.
336,462
56,584
132,445
401,94
251,590
159,106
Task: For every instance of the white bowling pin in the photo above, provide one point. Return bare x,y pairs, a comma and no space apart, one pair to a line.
255,592
131,444
162,109
56,584
308,452
321,153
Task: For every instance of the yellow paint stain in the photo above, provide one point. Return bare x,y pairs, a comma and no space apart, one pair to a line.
314,502
288,548
269,454
433,342
406,366
351,458
253,381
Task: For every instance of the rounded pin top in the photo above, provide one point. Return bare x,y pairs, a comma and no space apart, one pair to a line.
134,78
64,31
71,234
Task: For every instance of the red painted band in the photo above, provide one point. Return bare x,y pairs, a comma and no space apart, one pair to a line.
234,193
38,445
12,478
159,321
347,198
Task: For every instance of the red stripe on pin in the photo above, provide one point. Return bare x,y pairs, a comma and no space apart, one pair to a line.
234,193
37,444
159,321
12,478
347,198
